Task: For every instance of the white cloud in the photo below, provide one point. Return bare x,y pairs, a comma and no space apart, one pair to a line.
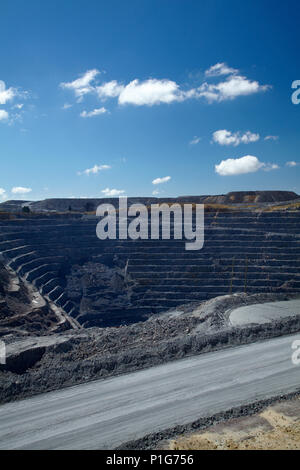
67,106
195,140
220,69
2,194
113,192
165,179
6,94
150,92
239,166
94,170
270,166
3,115
292,164
82,85
271,137
233,87
155,192
155,91
224,137
95,112
110,89
20,190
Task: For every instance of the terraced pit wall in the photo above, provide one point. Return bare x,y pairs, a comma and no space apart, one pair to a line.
115,282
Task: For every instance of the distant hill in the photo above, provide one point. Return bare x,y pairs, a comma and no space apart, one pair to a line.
90,204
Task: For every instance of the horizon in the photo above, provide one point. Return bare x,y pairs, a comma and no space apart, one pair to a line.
155,197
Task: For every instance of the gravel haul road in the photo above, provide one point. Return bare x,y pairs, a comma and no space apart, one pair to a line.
106,413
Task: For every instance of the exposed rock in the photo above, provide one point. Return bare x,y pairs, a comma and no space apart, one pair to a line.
24,354
142,302
22,310
89,204
79,356
116,282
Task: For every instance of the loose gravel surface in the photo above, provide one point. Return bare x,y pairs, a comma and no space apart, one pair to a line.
107,413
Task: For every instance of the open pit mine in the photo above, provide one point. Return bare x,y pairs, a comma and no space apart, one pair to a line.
77,310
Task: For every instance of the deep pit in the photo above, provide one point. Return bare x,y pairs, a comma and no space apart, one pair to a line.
129,304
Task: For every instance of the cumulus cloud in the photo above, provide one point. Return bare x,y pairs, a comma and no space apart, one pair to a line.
6,94
82,85
94,170
233,87
153,91
220,69
3,115
165,179
243,165
2,194
20,190
112,192
224,137
271,137
195,140
110,89
292,164
95,112
150,92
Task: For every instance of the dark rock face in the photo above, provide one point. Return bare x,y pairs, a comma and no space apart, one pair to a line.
115,282
13,206
20,312
23,361
95,287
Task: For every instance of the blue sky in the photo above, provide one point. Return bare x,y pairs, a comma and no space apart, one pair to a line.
142,97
